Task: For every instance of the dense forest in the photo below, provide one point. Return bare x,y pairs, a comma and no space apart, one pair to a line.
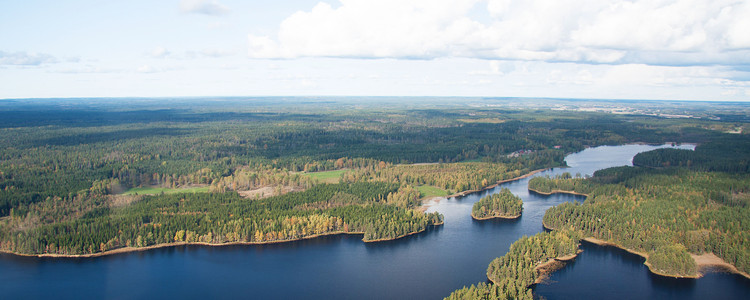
453,177
501,205
666,212
727,154
63,150
227,217
563,183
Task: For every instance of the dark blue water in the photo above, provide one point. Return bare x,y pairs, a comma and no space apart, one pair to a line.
425,266
602,272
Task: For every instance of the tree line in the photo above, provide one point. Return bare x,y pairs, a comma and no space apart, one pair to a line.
226,217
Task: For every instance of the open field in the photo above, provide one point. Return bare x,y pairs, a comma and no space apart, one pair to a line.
326,176
431,191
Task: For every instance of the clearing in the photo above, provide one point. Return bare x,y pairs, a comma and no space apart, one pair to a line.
326,176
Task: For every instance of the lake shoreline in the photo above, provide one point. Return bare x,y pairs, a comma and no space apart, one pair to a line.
437,199
129,249
704,261
552,192
495,217
499,182
546,269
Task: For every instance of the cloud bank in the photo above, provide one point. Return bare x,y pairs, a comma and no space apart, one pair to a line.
651,32
205,7
25,59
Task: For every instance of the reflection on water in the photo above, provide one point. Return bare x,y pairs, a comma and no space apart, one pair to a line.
428,265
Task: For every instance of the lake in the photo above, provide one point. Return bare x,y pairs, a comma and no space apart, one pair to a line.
429,265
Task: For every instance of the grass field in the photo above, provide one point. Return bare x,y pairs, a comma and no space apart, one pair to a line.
431,191
326,176
154,190
472,160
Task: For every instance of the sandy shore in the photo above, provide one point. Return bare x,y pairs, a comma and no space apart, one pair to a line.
709,260
546,268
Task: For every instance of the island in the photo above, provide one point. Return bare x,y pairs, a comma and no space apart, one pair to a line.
503,205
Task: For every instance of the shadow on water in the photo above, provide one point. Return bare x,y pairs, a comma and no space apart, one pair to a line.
432,232
496,222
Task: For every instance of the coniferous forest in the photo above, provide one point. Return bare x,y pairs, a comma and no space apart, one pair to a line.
85,177
671,205
501,205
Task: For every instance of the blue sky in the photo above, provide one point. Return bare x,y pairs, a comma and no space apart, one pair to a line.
638,49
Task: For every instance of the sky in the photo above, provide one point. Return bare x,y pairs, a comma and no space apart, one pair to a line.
599,49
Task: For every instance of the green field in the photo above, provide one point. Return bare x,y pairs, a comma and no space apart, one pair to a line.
154,190
472,160
326,176
431,191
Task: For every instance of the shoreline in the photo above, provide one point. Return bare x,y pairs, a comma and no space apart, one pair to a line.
545,269
710,260
495,217
650,267
437,199
401,236
703,261
129,249
499,182
552,192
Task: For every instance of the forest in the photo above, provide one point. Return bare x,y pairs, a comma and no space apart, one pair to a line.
226,217
501,205
71,169
667,211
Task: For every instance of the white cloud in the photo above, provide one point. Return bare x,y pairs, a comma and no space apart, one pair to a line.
88,69
210,53
217,52
654,32
206,7
26,59
146,69
159,52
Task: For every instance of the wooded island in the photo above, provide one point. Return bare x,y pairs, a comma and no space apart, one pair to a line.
502,205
